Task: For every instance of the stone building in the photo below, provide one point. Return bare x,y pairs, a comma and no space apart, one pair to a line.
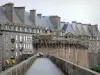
17,28
78,43
24,33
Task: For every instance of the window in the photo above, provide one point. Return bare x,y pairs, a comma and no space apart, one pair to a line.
6,37
37,30
25,29
16,28
20,28
6,27
24,38
16,37
30,30
20,45
12,28
28,46
40,30
16,45
20,37
6,45
24,45
34,30
12,35
16,54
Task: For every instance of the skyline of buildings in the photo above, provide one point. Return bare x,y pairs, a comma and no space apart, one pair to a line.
18,29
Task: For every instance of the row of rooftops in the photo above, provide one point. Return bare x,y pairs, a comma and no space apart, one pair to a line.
80,29
18,15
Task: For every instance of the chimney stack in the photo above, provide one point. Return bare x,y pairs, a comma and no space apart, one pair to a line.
9,11
55,20
33,16
20,11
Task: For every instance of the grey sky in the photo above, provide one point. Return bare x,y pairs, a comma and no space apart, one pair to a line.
85,11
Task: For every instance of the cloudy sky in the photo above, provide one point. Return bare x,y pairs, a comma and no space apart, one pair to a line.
85,11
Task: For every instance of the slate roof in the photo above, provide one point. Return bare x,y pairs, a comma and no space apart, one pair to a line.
74,25
2,16
64,27
16,19
81,30
61,25
69,29
85,27
74,28
27,19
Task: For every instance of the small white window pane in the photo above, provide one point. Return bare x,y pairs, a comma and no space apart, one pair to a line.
16,45
16,54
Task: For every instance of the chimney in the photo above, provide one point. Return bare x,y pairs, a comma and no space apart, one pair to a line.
55,20
20,11
9,11
33,16
39,15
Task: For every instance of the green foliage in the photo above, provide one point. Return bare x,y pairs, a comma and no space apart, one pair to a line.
96,68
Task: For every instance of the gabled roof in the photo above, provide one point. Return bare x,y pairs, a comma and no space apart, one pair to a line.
74,25
49,23
44,21
27,20
64,27
16,19
80,28
69,29
85,27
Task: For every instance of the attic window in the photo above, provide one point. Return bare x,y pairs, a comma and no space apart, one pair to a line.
16,28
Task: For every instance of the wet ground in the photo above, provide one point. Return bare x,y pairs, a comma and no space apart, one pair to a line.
43,66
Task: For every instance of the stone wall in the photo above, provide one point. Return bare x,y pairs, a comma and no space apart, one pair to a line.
77,56
71,69
94,58
20,68
0,53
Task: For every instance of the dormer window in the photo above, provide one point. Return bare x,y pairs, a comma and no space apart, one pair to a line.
16,28
6,27
34,30
21,29
12,28
37,30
